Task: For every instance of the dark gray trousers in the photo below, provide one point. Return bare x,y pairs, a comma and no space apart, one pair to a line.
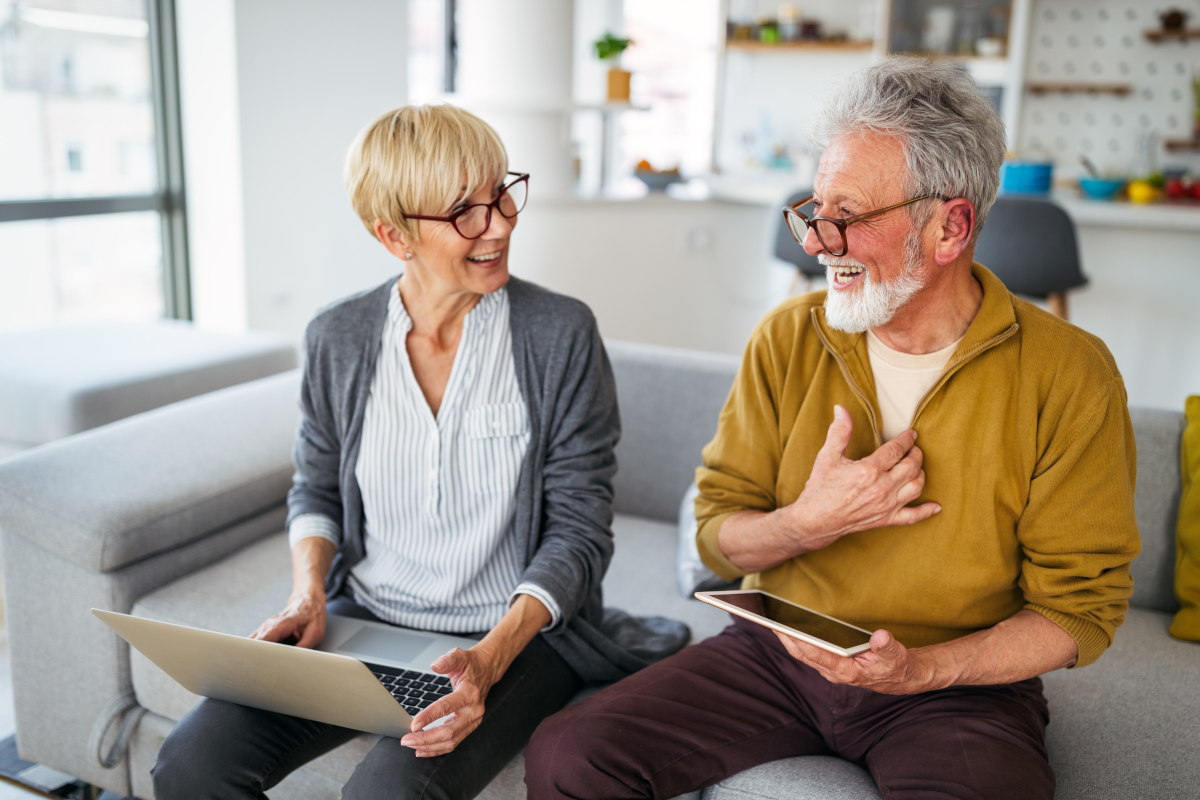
225,751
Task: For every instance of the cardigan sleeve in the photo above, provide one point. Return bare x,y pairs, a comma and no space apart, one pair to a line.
316,452
581,428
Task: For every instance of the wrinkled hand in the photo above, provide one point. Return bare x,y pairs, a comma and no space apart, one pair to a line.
888,667
844,496
304,619
472,674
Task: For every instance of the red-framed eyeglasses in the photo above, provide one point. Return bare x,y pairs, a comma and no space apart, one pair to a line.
473,220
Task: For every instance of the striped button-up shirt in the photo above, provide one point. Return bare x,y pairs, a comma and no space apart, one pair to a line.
438,492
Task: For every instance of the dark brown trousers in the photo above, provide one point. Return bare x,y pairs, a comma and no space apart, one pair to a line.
738,700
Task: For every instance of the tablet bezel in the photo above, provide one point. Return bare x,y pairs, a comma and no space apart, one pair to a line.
713,599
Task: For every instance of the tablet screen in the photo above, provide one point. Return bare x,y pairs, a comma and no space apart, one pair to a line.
797,618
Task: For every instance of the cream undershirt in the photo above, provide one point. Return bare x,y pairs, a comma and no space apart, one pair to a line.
901,380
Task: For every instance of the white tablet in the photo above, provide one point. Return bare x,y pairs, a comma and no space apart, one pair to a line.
802,623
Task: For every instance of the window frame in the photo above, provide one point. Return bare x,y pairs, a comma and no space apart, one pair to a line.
169,200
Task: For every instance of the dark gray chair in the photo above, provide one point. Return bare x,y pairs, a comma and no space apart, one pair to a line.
1029,243
787,249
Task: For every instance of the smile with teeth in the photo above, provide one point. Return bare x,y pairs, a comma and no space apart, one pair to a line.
485,258
844,275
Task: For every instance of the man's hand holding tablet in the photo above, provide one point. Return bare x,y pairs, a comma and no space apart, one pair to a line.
841,652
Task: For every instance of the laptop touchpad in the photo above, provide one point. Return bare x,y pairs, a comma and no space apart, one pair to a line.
390,645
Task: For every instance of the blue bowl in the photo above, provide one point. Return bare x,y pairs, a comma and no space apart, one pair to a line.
1101,188
1026,177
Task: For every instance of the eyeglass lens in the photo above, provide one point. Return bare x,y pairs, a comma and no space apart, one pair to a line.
513,200
829,234
474,221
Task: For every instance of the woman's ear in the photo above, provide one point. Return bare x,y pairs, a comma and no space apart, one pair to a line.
394,240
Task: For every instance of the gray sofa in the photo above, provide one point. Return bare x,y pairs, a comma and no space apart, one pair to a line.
178,513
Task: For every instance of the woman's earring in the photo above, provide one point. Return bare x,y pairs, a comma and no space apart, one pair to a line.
408,256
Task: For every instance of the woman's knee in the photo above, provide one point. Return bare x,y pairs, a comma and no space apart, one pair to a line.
206,756
182,772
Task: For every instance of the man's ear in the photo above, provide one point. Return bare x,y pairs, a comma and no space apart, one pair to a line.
957,227
391,238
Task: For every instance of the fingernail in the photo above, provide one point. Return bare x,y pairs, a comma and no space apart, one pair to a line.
914,436
938,510
838,412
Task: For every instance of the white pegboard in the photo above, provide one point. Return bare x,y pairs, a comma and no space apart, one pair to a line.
1103,41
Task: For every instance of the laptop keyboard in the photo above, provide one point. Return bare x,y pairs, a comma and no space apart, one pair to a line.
413,690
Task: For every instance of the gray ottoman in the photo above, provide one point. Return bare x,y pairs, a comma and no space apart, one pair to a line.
58,381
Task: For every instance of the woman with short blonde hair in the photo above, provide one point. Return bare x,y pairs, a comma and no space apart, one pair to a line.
454,470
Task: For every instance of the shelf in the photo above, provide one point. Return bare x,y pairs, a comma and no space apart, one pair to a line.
827,44
1118,89
1159,36
610,106
1174,145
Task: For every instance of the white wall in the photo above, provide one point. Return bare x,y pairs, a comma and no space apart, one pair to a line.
311,73
684,274
1142,301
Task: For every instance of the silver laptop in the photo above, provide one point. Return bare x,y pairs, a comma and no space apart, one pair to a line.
364,675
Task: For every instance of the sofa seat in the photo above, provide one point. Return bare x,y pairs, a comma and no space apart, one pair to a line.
1128,725
237,593
1129,721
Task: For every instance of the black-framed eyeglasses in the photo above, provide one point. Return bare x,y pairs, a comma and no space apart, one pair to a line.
831,231
472,221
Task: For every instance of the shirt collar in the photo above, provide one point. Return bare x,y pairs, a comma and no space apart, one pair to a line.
483,310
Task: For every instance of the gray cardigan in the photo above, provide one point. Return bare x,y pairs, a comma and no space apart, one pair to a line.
563,508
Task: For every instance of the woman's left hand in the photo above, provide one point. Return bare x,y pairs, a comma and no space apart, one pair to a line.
472,673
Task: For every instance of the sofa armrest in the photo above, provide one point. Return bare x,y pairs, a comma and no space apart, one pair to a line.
104,517
148,484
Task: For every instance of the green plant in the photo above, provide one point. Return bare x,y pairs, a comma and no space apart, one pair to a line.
610,46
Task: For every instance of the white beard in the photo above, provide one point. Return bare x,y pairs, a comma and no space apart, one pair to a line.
871,304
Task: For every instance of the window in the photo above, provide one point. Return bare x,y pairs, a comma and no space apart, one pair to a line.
91,184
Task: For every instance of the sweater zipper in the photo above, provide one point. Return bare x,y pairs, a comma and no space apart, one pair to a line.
862,398
953,368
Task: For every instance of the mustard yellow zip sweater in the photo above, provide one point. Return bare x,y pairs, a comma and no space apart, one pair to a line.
1028,448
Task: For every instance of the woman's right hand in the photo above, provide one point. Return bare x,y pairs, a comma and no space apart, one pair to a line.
304,617
303,620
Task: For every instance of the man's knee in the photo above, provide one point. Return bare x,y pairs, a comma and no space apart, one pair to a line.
572,755
964,756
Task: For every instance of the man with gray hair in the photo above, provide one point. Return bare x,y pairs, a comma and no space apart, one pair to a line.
995,552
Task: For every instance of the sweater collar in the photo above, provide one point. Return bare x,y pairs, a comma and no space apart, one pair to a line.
995,321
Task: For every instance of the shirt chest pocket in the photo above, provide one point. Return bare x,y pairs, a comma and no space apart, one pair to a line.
496,437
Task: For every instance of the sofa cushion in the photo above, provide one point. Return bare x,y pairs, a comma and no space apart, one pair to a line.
156,481
1129,724
1158,435
670,400
58,381
802,778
